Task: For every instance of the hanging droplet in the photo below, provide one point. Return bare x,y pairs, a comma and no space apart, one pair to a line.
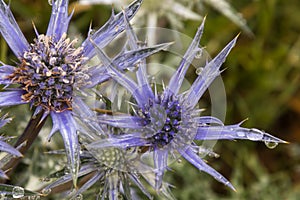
179,161
50,2
199,70
271,144
18,192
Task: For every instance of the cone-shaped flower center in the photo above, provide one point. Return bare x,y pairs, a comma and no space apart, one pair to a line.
165,119
111,157
47,72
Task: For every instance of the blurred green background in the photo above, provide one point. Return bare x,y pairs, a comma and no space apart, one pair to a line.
261,81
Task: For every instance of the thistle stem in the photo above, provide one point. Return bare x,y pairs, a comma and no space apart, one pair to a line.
25,141
68,185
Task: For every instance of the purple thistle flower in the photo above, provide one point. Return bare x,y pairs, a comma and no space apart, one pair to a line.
6,147
169,122
51,69
115,170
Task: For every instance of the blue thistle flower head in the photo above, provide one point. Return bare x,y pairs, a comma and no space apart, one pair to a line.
112,169
53,68
117,171
168,123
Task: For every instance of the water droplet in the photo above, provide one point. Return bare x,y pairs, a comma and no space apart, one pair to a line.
79,197
73,170
18,192
199,54
271,144
129,13
91,32
46,179
199,70
50,2
255,134
117,29
179,161
213,154
8,139
67,170
33,197
46,191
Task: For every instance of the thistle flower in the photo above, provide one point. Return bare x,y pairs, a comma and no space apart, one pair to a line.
168,122
4,146
52,69
111,169
114,170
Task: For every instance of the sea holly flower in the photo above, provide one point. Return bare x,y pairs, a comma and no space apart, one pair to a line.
116,171
6,147
108,168
52,69
168,123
